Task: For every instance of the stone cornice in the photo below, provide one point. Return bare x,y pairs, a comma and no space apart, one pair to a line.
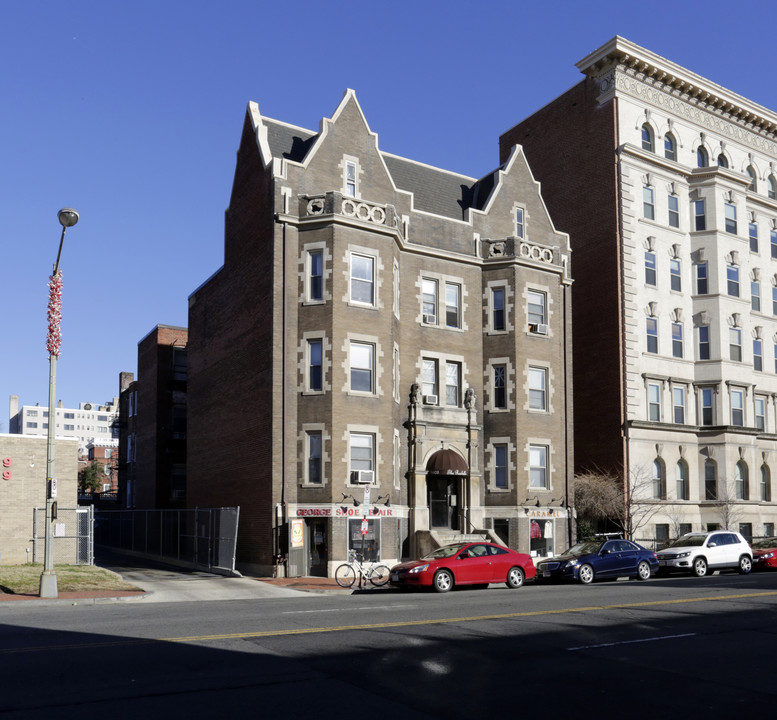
629,68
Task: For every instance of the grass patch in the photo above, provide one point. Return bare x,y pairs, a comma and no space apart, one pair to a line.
25,579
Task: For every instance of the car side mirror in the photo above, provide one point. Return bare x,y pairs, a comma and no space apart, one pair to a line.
712,544
604,552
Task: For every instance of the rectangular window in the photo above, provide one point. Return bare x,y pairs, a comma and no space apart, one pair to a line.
652,335
72,416
500,465
538,466
395,374
704,342
519,225
350,178
536,308
362,279
498,309
429,377
500,387
730,212
773,241
735,344
678,404
429,301
73,427
732,277
760,413
452,384
361,359
768,527
452,303
396,289
755,296
650,268
752,230
674,211
758,358
700,215
677,340
313,451
315,379
702,287
538,388
362,452
316,275
738,408
648,204
32,424
654,402
707,396
675,274
710,480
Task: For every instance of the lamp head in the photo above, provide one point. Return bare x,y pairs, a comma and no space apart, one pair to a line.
67,217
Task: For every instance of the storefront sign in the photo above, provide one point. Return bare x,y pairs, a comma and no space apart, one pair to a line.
547,513
303,511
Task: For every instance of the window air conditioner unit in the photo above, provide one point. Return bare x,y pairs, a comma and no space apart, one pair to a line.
430,400
364,477
541,329
430,319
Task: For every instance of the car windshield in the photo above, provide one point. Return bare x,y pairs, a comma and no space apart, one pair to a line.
688,541
444,552
765,544
584,548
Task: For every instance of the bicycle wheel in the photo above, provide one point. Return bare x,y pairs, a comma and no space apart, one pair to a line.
345,575
379,575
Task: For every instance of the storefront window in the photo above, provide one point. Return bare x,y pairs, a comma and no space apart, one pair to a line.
541,538
369,541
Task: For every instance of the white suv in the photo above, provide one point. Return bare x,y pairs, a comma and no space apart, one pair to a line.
704,552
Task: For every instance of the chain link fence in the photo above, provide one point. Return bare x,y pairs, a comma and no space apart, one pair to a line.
72,540
206,537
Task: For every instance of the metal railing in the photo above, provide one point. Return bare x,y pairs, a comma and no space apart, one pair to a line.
203,536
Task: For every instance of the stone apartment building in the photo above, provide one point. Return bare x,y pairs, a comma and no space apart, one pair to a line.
380,326
667,185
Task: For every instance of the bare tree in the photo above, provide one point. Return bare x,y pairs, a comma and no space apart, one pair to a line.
729,511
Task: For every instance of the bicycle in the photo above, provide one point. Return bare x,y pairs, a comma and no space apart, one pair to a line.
345,574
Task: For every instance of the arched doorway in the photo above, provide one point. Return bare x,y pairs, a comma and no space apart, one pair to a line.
444,471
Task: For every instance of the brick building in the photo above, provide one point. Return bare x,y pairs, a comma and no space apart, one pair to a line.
152,421
379,323
666,184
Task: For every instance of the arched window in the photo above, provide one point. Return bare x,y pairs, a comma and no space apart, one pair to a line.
772,188
722,161
670,147
702,158
659,480
740,481
753,187
647,138
682,480
710,480
766,484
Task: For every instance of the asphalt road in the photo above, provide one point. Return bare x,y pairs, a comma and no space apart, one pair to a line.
667,648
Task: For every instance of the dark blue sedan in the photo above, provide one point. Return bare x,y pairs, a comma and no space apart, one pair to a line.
598,559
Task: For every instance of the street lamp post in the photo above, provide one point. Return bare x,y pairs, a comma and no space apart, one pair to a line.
48,579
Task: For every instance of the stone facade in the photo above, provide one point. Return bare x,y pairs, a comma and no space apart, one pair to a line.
665,182
382,321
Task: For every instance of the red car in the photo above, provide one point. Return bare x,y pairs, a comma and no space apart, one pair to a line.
765,554
467,563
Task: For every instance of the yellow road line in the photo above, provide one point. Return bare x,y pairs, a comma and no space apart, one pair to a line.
473,618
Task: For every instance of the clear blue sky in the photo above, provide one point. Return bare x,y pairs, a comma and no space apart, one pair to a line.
131,112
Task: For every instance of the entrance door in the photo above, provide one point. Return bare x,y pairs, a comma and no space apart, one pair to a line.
442,502
317,547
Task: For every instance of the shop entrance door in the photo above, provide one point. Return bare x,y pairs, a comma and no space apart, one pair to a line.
442,502
318,548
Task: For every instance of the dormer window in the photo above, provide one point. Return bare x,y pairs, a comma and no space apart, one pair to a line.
350,176
520,226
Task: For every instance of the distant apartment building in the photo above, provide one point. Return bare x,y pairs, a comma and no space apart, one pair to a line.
105,452
667,185
382,333
88,423
152,421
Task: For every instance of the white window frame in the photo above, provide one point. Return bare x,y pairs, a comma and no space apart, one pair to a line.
519,215
430,301
673,211
654,401
308,433
532,390
366,439
353,279
351,185
355,348
453,371
544,451
455,290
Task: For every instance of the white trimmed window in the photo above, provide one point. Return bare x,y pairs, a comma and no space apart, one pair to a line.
362,279
538,466
361,449
362,363
538,388
314,468
429,301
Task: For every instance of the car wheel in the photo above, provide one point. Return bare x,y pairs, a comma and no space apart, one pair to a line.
443,581
585,574
700,568
515,577
745,565
643,571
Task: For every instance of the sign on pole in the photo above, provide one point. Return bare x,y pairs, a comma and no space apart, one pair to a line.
365,526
